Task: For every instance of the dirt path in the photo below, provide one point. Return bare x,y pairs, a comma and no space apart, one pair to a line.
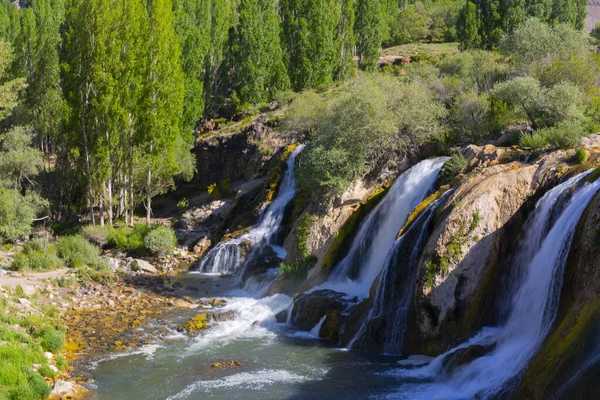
12,279
593,15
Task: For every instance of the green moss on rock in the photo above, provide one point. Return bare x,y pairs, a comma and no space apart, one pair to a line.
345,235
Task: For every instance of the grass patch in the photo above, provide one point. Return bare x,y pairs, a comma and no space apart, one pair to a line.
422,49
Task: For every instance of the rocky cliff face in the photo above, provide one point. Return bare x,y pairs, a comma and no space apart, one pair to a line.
460,266
565,364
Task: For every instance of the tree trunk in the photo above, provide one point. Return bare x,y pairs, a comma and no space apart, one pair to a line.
149,196
110,201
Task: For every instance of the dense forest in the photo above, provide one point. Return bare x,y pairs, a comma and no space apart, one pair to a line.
102,97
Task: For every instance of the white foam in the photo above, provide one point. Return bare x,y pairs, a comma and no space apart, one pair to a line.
246,380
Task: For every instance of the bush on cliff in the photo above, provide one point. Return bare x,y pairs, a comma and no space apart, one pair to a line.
160,241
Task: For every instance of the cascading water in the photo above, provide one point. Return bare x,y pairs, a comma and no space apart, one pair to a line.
533,305
355,274
228,257
386,319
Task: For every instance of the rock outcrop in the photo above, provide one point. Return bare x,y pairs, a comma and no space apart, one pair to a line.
476,229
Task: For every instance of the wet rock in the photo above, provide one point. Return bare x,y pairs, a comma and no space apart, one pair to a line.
310,308
471,238
225,364
261,263
465,356
201,246
561,369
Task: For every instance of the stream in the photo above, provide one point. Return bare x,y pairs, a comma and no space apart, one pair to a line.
277,362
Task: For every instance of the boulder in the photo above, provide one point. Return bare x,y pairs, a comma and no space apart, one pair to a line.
64,390
309,308
261,263
143,266
465,355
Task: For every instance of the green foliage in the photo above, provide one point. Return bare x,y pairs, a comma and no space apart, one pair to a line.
360,125
37,255
160,241
95,234
127,238
299,269
453,168
540,105
302,232
16,376
567,134
551,54
76,252
430,272
471,117
535,141
580,156
475,221
369,28
61,362
595,33
16,215
260,72
467,30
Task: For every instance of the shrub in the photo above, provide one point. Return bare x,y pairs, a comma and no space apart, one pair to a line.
37,255
96,234
535,141
453,168
565,135
580,156
51,340
160,241
127,238
299,269
16,215
77,252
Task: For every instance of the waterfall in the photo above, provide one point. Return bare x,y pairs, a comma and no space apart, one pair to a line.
355,274
534,302
229,256
387,317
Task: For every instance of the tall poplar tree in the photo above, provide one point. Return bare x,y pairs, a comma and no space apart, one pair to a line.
222,21
309,33
257,59
344,40
38,61
194,28
165,151
368,27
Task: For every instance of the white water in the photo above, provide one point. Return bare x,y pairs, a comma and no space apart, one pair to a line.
227,257
355,274
386,303
532,311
